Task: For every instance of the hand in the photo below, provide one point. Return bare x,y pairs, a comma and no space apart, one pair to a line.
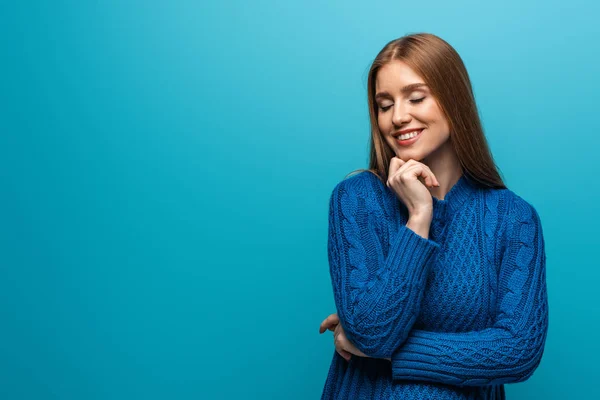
403,179
343,346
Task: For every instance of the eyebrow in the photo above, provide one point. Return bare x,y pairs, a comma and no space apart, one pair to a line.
405,89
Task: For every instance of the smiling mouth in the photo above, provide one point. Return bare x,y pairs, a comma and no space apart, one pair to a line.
409,136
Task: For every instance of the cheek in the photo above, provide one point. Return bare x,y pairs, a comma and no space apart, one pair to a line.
384,123
431,113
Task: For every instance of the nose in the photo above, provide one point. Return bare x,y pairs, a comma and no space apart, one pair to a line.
400,117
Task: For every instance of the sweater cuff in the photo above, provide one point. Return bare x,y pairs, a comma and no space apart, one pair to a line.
412,248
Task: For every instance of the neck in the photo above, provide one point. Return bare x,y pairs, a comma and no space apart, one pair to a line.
445,166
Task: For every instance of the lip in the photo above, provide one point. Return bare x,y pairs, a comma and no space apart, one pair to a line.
410,141
406,131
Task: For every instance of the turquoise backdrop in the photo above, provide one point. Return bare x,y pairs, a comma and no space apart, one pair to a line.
166,168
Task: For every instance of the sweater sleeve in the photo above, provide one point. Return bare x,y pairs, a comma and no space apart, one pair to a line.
510,350
377,279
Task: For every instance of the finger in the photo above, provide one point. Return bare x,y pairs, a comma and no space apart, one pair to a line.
328,322
339,343
341,351
400,171
339,336
332,321
330,328
395,164
324,325
424,173
336,334
345,354
430,172
402,168
420,173
340,346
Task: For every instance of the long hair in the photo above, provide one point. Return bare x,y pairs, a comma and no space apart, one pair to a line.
444,72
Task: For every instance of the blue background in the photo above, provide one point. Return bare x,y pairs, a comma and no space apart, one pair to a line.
166,168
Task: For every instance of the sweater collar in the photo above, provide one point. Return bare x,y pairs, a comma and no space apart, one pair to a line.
456,197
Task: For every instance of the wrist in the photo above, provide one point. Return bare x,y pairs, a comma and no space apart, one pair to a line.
423,212
419,225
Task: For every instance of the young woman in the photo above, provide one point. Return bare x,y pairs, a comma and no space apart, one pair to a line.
438,269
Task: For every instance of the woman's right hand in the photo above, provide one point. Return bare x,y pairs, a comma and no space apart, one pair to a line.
403,179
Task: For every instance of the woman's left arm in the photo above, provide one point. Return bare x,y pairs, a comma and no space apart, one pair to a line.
512,348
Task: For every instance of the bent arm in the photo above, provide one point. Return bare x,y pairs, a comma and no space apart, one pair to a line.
377,295
510,350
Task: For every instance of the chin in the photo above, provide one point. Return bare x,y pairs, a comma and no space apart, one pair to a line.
407,156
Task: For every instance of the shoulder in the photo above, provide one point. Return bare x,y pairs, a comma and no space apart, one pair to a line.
521,209
361,184
362,191
518,212
507,203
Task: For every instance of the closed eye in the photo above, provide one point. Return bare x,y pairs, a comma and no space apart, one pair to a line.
384,109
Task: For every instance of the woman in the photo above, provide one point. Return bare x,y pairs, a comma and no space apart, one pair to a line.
438,270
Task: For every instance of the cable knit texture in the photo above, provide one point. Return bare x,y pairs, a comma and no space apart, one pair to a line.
460,313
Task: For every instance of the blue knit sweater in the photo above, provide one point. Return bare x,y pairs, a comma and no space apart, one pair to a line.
460,313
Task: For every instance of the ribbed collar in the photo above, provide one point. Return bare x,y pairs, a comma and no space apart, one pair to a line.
462,190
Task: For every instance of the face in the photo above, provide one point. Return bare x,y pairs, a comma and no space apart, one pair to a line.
402,107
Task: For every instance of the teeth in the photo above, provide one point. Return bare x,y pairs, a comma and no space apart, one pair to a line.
408,135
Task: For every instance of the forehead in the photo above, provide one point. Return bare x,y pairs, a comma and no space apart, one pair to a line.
394,75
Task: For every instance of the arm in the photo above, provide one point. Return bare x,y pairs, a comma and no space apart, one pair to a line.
512,348
377,282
